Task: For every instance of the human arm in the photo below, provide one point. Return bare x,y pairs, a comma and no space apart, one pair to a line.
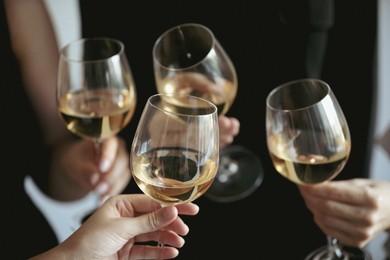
74,171
120,226
354,211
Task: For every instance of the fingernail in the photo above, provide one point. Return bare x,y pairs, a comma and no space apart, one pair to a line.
105,165
94,178
102,188
169,212
182,241
103,199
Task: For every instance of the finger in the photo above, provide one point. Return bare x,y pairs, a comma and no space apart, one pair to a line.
152,252
108,153
117,181
152,221
198,82
225,140
352,237
229,125
166,237
190,209
228,129
349,222
235,125
178,226
133,205
359,232
354,192
119,176
327,207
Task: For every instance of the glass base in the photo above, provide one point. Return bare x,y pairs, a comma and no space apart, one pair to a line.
349,253
240,173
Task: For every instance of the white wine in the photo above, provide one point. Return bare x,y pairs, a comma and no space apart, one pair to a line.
307,168
221,93
97,114
173,175
309,171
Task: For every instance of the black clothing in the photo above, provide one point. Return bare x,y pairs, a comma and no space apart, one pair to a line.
24,231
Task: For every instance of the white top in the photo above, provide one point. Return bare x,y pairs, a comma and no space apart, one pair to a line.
66,19
380,159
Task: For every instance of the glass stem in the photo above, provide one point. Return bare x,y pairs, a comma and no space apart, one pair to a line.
98,149
228,168
334,248
160,245
98,153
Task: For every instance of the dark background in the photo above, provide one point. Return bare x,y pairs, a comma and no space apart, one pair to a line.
268,42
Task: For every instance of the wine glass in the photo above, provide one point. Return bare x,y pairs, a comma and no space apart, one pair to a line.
175,151
189,59
309,142
96,94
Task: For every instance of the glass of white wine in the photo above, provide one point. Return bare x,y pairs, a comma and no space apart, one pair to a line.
309,142
188,59
175,151
96,94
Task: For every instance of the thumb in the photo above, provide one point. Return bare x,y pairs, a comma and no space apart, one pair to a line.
154,220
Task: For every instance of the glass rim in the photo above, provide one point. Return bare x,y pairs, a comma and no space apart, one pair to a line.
205,101
298,82
176,27
81,41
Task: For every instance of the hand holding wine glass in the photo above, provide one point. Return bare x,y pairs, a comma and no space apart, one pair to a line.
96,95
188,59
175,151
309,142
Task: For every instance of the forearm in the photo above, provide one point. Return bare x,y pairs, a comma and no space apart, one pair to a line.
63,251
